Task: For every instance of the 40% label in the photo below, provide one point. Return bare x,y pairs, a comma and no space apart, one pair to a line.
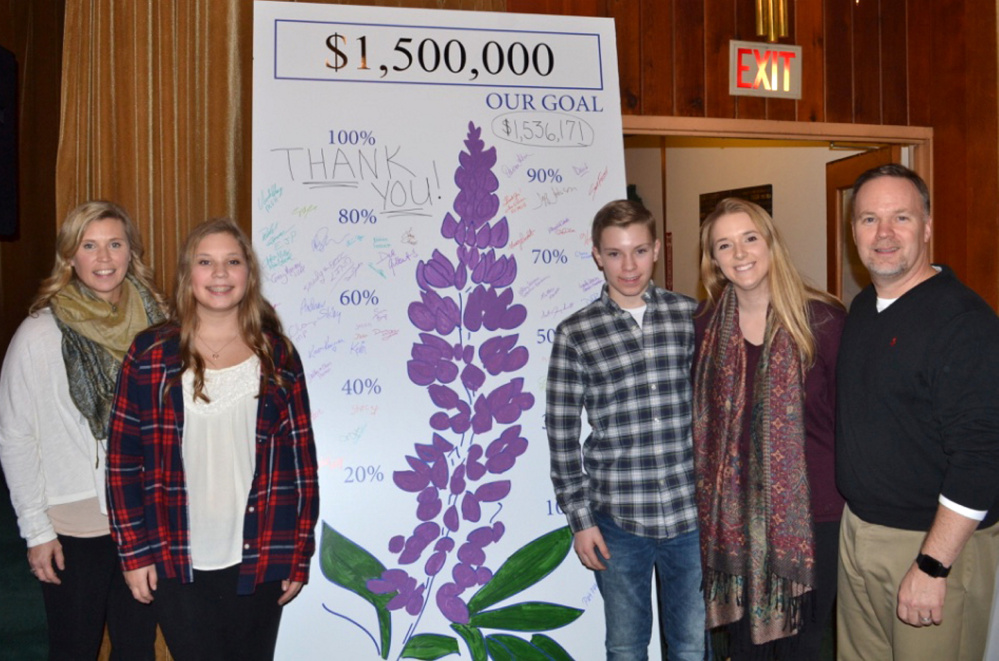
362,387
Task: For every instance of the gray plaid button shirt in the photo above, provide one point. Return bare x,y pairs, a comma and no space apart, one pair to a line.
636,465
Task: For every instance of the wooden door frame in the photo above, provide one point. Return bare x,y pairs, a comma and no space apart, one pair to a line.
918,138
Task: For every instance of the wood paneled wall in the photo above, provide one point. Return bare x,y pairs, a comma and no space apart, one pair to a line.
887,62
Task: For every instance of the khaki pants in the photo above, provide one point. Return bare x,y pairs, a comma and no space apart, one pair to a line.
872,562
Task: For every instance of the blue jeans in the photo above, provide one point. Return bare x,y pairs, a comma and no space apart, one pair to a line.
626,587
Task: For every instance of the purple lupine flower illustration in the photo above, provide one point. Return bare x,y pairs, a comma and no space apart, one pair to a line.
493,311
503,452
432,361
447,399
499,354
451,605
468,318
422,535
409,595
497,272
467,360
504,405
434,313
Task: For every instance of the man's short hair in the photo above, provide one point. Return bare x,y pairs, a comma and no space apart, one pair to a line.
893,170
621,213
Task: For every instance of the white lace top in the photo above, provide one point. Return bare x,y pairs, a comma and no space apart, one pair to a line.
218,451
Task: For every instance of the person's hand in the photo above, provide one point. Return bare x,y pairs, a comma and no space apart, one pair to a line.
291,589
590,547
142,583
44,559
921,598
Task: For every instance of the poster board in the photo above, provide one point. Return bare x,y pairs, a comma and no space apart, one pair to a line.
424,182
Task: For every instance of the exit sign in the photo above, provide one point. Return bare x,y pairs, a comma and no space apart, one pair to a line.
758,69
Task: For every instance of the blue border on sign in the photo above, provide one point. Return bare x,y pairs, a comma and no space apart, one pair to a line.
596,36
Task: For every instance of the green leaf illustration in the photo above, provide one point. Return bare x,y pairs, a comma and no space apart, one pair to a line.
528,565
551,648
503,647
526,616
429,646
473,638
351,567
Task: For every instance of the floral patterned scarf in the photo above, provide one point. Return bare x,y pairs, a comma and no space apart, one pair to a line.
757,543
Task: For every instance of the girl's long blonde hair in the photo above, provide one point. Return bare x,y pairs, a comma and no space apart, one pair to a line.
789,294
68,242
256,315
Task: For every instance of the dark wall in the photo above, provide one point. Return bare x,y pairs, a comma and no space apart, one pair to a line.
32,31
8,144
897,62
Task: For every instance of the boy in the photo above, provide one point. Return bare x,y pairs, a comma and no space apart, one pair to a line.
628,492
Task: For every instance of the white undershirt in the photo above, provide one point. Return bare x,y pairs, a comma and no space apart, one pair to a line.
218,451
883,303
638,313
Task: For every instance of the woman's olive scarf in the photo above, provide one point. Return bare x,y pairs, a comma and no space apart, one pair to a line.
95,337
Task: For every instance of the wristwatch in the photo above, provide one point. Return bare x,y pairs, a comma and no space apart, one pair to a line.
931,566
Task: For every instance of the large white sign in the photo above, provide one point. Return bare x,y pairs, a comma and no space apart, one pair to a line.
424,182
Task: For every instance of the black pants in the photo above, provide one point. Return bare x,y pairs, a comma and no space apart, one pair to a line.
805,646
93,591
207,620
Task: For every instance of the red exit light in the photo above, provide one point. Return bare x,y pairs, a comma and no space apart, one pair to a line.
758,69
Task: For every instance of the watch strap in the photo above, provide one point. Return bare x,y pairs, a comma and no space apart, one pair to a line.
931,566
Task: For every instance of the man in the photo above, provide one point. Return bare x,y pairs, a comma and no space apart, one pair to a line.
917,454
629,494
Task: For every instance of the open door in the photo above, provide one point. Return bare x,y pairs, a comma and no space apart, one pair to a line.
846,274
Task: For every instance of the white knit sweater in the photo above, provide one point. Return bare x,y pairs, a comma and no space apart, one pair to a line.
48,453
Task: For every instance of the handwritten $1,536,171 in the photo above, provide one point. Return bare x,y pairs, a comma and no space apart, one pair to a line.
495,58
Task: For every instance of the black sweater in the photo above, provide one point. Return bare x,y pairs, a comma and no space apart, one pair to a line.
918,405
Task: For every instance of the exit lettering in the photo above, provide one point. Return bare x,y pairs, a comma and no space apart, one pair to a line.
765,69
772,68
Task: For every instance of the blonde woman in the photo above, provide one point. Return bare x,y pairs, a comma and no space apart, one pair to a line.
56,389
764,411
212,467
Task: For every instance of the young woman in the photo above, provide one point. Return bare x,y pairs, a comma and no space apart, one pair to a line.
55,397
212,465
764,410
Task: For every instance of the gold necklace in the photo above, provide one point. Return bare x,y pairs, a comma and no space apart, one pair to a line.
217,352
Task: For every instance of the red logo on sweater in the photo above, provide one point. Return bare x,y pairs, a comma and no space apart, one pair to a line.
893,341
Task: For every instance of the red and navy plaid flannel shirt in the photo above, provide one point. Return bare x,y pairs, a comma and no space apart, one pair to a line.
147,498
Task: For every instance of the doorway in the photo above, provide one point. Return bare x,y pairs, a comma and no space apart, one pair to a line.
799,209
